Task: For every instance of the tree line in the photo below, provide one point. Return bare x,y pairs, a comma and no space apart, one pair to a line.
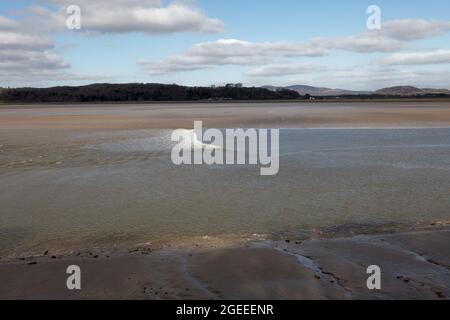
136,92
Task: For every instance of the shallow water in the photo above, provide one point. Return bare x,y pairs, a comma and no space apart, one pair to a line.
114,187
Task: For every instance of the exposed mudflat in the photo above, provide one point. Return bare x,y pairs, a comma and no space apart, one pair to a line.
415,265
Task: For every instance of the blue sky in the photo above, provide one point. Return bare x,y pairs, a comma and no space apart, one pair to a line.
205,42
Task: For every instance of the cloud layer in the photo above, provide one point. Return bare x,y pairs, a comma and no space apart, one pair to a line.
26,54
393,37
125,16
27,50
414,29
418,58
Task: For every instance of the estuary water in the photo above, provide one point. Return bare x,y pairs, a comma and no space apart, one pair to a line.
76,189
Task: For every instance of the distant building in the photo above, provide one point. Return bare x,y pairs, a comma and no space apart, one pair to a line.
234,85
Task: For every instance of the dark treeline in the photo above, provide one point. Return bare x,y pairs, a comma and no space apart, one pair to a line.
142,92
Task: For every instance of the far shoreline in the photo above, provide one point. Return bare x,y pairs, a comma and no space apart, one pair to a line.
299,101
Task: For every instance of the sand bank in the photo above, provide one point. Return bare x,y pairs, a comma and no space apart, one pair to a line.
220,115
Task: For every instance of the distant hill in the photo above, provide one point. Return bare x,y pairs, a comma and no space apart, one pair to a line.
318,91
410,91
400,91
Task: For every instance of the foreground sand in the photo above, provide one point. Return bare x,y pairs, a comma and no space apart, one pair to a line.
415,265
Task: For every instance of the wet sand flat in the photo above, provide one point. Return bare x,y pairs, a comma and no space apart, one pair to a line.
297,270
295,115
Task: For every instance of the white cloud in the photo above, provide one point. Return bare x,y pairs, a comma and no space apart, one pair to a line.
284,69
237,52
26,60
362,43
228,52
27,51
418,58
226,48
125,16
413,29
393,37
23,52
29,57
18,39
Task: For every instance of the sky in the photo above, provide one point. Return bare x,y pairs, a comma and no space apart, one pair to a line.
213,42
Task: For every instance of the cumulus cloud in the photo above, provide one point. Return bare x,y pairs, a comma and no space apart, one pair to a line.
17,39
237,52
393,37
29,57
14,35
125,16
23,53
21,60
228,52
418,58
236,48
27,50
